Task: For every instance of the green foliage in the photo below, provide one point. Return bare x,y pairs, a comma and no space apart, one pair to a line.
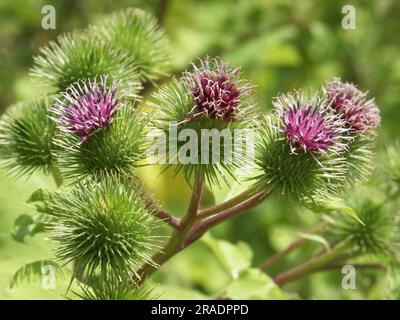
136,33
234,257
103,225
81,56
116,149
34,271
392,281
280,45
26,225
254,284
26,135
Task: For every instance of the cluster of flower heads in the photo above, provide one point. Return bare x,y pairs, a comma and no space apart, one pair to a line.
318,124
216,89
87,107
309,150
308,123
352,104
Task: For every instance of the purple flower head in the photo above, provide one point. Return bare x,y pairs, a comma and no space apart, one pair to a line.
307,124
351,103
217,90
307,128
87,107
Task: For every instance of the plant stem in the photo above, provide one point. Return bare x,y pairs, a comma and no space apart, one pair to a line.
177,240
169,219
312,265
161,10
294,245
201,227
197,194
228,203
191,229
56,173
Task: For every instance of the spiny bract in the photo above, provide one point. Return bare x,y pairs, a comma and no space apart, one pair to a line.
26,135
378,234
115,288
103,225
106,135
80,56
137,33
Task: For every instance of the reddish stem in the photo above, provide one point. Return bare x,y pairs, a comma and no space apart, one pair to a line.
208,223
169,219
228,203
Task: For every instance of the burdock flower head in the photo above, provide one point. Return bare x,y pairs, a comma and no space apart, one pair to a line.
298,149
216,89
352,104
87,107
308,124
98,132
214,101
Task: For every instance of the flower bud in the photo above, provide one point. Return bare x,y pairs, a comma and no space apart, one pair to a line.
137,33
26,135
79,56
378,234
103,225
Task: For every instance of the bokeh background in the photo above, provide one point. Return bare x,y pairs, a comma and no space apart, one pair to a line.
280,45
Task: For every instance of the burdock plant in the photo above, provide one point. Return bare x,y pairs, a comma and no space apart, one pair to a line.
93,131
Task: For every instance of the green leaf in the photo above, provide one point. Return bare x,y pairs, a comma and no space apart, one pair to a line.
255,285
39,199
38,195
349,211
234,257
34,271
337,204
26,225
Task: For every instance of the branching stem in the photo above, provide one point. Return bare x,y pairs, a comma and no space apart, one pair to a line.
174,222
201,227
194,224
312,265
228,203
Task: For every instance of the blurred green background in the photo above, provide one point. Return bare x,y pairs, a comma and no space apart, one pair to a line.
280,45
